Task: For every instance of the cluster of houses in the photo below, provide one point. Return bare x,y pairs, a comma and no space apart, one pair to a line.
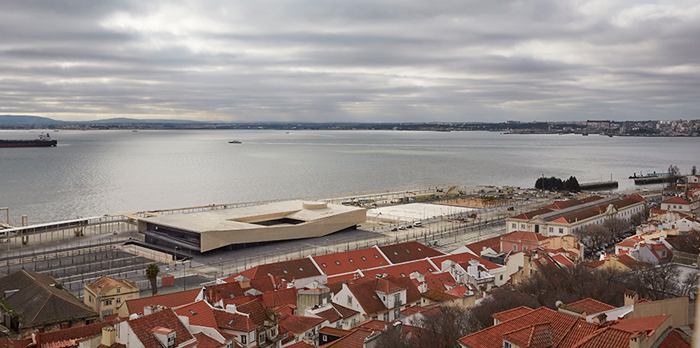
352,298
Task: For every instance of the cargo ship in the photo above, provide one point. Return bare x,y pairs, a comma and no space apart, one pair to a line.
43,141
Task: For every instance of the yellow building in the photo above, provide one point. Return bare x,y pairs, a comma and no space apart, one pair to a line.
105,295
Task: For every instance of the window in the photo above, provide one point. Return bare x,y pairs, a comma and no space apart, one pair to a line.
514,225
229,344
364,258
501,276
119,300
522,226
386,316
323,264
349,300
376,256
261,338
119,289
244,339
524,247
301,269
351,261
337,262
561,230
515,248
90,298
551,229
507,344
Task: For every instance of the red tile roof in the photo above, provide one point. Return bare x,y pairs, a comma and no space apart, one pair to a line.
618,334
531,214
286,270
493,243
204,341
462,258
460,290
591,306
563,260
534,336
255,309
329,330
329,314
344,277
299,324
677,200
166,318
238,300
408,251
105,284
440,281
561,326
675,339
364,291
72,334
644,324
558,205
523,235
511,313
300,344
349,261
272,299
233,321
355,339
200,313
344,312
402,269
170,300
218,292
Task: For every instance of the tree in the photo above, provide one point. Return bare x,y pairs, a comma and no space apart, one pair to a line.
639,218
656,283
593,236
617,227
673,174
152,272
442,328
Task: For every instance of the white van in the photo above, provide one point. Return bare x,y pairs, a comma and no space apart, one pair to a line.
417,224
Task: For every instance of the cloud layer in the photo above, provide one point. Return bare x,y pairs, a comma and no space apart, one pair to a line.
360,61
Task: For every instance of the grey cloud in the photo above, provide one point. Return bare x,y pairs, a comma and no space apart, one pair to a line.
346,61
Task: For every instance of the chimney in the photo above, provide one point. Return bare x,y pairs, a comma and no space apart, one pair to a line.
600,319
108,336
473,268
631,298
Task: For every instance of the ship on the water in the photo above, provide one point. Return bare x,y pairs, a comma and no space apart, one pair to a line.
43,141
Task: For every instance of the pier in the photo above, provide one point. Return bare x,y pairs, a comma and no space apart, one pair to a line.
598,185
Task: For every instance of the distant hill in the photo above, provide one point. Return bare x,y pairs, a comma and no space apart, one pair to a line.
135,120
28,120
15,120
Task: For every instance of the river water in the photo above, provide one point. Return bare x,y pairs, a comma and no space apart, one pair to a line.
105,172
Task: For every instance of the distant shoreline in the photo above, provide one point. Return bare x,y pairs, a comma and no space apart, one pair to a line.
650,128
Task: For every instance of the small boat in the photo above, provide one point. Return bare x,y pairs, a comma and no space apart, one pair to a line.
234,142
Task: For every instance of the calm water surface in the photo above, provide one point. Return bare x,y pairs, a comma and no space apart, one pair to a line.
100,172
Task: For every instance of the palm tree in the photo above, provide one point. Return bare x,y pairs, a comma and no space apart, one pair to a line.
152,272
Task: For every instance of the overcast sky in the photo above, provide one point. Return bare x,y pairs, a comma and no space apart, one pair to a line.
358,61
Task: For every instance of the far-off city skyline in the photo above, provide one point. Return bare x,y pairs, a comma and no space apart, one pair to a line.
359,61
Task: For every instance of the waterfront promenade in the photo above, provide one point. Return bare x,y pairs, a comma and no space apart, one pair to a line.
78,260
